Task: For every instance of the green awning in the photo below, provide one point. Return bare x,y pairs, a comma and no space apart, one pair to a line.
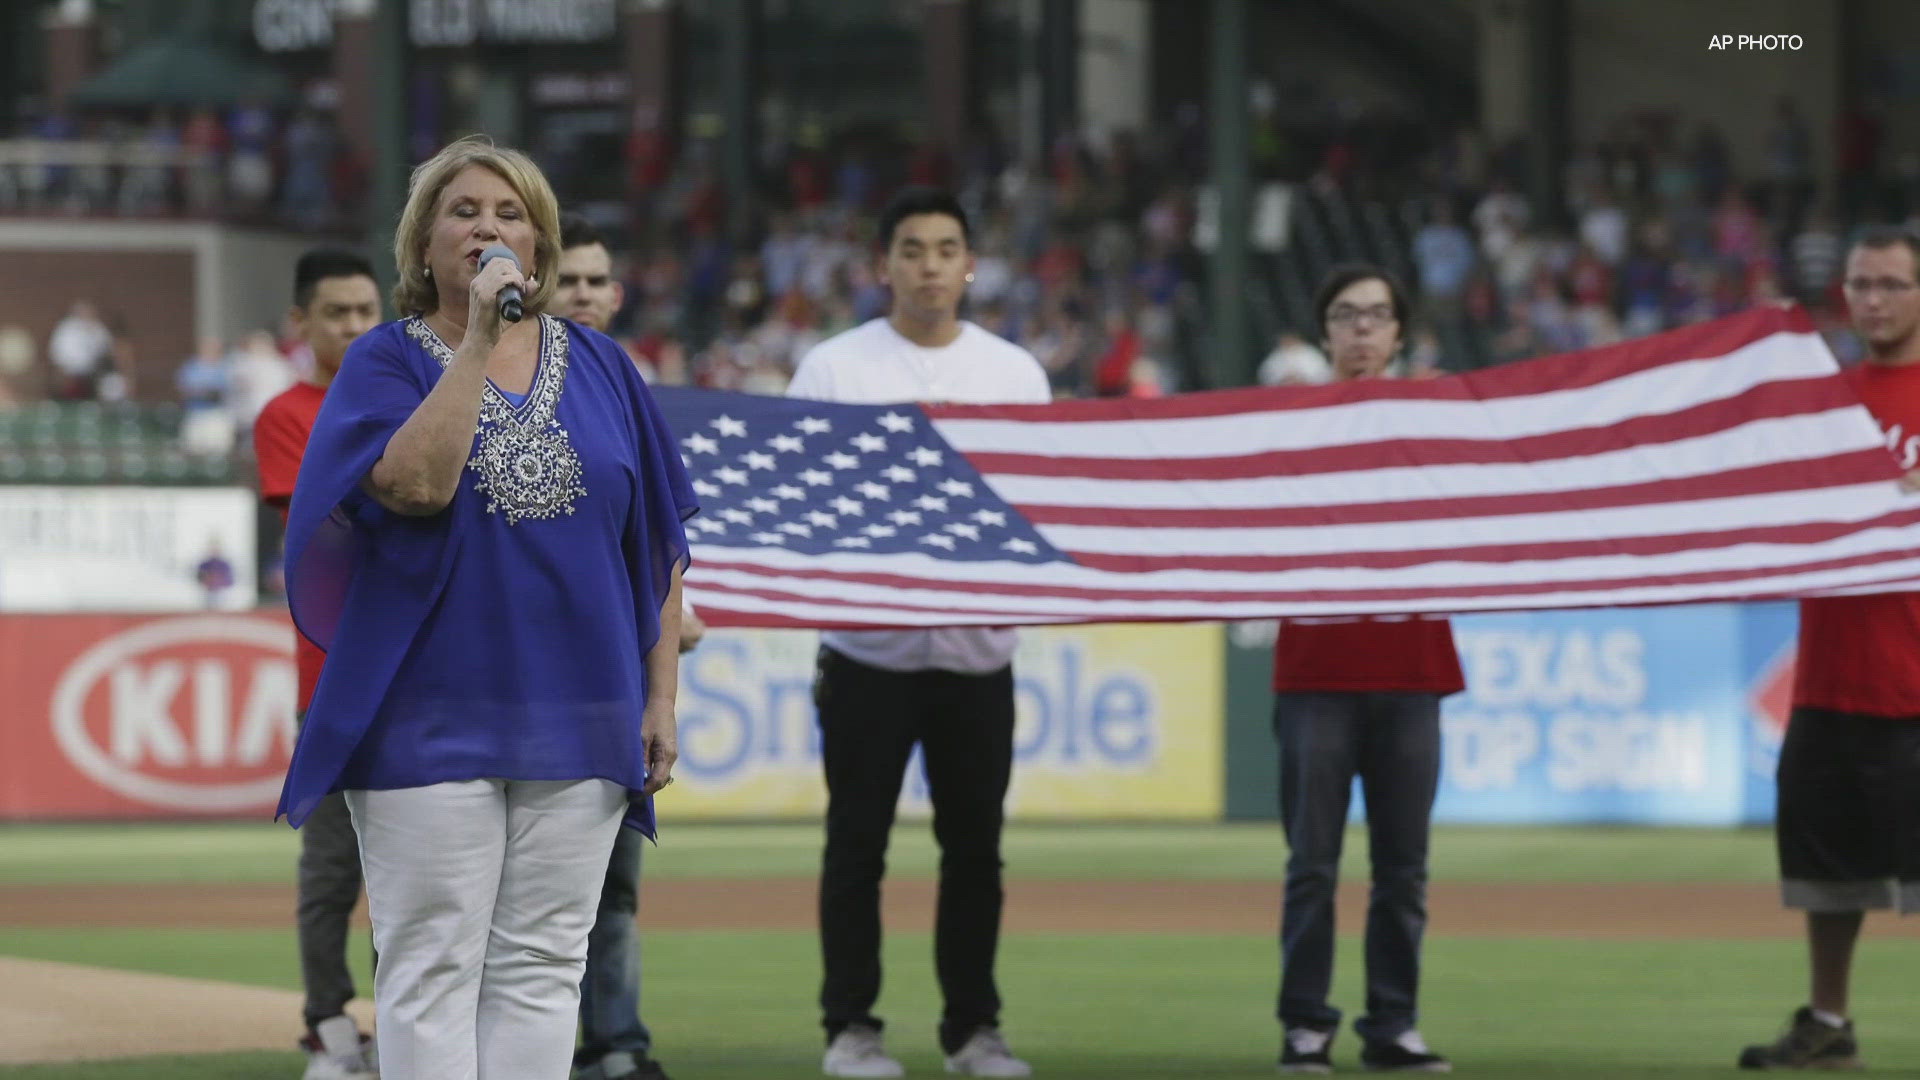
183,73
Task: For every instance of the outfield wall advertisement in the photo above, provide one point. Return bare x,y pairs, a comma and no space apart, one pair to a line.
1114,722
125,717
1667,716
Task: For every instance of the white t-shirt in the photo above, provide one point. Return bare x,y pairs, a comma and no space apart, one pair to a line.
872,364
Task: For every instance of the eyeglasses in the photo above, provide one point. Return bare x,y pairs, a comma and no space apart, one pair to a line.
1350,315
1889,286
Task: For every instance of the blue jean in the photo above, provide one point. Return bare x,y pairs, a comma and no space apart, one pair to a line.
610,989
1391,741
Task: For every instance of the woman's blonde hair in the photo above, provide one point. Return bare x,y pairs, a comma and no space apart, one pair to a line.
415,293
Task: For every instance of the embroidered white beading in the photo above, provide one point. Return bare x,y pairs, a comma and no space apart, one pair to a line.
526,464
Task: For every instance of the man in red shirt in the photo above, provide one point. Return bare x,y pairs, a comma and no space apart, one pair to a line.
1848,824
335,300
1359,697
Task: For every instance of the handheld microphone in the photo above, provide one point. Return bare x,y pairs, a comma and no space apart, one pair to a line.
511,300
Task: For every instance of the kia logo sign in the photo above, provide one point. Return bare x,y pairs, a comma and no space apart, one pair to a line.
188,714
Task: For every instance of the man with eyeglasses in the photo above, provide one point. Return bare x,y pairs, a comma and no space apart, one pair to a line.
615,1043
1359,697
1848,823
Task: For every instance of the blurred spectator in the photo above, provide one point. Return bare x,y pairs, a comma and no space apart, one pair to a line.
80,350
1444,254
1789,165
1816,253
204,382
250,160
258,372
1294,362
1605,226
306,194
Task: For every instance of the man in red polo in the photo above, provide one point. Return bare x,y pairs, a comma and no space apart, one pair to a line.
335,300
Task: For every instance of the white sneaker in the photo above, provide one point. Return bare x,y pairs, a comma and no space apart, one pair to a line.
337,1051
986,1054
858,1051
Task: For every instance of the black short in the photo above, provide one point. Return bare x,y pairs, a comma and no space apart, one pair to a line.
1848,825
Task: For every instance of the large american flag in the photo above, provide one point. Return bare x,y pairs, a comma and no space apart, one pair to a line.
1724,461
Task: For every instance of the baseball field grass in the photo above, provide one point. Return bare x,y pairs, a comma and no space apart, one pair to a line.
1181,1001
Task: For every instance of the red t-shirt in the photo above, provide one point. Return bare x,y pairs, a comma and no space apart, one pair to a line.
1861,654
1407,654
279,439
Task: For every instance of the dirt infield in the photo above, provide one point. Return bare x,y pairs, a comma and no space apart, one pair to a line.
1597,910
69,1012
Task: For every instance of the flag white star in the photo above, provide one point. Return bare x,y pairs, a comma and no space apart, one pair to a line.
786,443
879,531
872,490
899,474
893,421
757,460
961,528
816,477
930,502
989,517
728,475
938,541
848,507
728,425
795,528
853,542
822,519
686,461
761,505
710,490
737,515
841,461
959,489
1024,547
710,526
769,538
904,517
788,491
813,425
867,442
700,444
925,456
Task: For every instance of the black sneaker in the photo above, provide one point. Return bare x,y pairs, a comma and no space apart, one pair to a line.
1305,1050
1406,1053
621,1065
1809,1043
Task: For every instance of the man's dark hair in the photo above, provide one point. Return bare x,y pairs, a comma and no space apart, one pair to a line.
917,200
1346,274
1885,236
320,264
576,231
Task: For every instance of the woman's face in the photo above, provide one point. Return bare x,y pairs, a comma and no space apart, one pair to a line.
476,210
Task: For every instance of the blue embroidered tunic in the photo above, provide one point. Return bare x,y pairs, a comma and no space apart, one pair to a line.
505,636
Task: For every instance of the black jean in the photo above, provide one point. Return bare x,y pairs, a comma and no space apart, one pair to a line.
610,987
1391,741
329,887
870,720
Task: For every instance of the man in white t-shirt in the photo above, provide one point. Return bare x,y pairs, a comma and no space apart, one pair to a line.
950,690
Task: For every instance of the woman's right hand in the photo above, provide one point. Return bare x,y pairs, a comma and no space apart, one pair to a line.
483,299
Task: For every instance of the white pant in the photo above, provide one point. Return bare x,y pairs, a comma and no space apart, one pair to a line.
482,893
